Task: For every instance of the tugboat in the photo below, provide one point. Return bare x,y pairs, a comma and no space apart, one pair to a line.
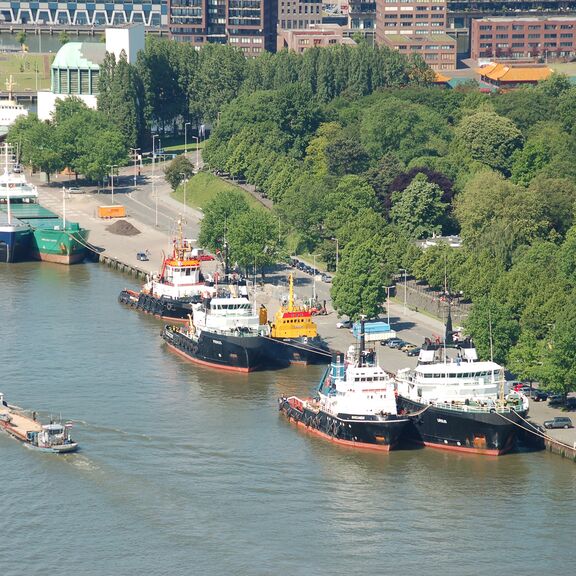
54,437
460,402
294,335
223,332
355,404
180,284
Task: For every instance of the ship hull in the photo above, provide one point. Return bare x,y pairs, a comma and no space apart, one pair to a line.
14,244
232,353
62,247
476,432
361,432
165,308
302,351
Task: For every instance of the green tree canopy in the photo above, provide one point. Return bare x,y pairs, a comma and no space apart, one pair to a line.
178,170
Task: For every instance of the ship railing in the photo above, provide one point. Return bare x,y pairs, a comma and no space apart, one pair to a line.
482,408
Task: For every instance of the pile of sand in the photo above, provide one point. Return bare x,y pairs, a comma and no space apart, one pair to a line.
123,228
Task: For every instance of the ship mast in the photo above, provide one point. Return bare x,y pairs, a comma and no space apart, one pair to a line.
291,293
6,176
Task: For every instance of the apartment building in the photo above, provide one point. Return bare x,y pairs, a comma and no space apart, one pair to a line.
535,39
299,14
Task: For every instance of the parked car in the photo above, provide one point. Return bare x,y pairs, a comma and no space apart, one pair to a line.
17,169
74,190
413,352
518,387
538,395
326,278
406,347
344,324
142,256
570,404
394,342
559,422
556,399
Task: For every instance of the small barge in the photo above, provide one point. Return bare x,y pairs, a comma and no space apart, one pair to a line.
54,437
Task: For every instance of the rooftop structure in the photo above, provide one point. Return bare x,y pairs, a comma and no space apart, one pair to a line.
150,13
312,37
299,14
437,50
502,75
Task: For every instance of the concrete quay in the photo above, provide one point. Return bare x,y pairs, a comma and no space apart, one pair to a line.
156,222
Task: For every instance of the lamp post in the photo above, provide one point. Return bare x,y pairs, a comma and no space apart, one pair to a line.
337,253
112,166
154,136
186,138
197,153
135,152
314,281
405,289
388,302
185,180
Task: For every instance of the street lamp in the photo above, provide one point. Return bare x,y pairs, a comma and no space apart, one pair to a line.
405,290
186,138
185,180
154,136
197,153
135,152
112,166
337,253
388,302
314,281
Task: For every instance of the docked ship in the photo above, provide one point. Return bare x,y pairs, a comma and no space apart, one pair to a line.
294,335
223,332
54,437
180,284
15,238
49,237
460,403
354,405
10,110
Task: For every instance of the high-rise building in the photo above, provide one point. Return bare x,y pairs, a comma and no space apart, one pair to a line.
151,13
299,14
247,24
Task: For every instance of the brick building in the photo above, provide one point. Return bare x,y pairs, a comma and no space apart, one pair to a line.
541,38
410,17
312,37
437,50
299,14
247,24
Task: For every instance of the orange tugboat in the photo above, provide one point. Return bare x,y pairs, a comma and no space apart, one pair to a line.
294,335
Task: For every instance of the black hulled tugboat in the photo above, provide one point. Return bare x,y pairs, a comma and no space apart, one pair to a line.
294,335
457,402
180,283
222,332
354,405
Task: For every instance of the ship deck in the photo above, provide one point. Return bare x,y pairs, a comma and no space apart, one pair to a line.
20,424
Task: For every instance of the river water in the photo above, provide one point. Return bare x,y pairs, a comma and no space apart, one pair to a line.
184,470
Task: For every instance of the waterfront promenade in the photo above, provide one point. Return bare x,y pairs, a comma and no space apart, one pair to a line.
155,216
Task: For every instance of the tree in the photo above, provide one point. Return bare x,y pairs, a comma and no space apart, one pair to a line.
21,39
178,170
409,130
489,139
418,210
120,98
253,239
218,215
493,329
345,155
358,285
497,215
63,37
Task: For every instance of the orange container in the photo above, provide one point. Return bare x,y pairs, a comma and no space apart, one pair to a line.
116,211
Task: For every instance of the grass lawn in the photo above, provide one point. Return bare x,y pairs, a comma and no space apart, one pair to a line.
202,188
176,145
26,70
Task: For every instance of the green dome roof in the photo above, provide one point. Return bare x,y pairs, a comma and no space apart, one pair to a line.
84,55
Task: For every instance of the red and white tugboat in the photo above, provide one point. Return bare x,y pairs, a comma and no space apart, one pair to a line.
354,405
180,283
